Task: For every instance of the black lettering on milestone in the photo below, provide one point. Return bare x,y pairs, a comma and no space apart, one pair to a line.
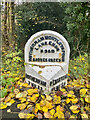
31,48
38,59
33,45
37,80
45,51
34,85
58,49
59,60
39,40
54,60
29,82
63,54
51,60
46,37
49,37
38,87
42,38
36,48
35,42
63,51
41,51
53,44
50,42
48,51
52,51
56,40
39,45
34,59
30,58
56,46
51,83
62,58
42,43
46,59
62,47
52,38
59,43
45,42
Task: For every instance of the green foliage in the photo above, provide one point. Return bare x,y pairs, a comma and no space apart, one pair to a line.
69,19
34,17
78,67
77,27
3,93
12,68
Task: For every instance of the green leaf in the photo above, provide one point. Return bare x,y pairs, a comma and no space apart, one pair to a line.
13,89
3,93
32,65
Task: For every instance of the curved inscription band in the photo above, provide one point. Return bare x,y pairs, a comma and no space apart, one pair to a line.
44,41
46,44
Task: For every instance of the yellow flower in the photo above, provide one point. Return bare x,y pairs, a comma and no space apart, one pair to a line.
68,74
36,95
74,109
38,106
12,101
8,72
17,71
56,114
68,100
60,114
83,59
25,84
36,110
19,24
43,97
23,100
63,90
57,99
52,112
87,99
44,109
31,91
49,105
75,68
17,78
71,92
83,91
69,95
74,100
3,106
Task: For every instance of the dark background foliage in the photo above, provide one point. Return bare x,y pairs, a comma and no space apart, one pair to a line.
69,19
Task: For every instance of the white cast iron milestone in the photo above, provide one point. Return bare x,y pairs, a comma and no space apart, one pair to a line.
47,58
